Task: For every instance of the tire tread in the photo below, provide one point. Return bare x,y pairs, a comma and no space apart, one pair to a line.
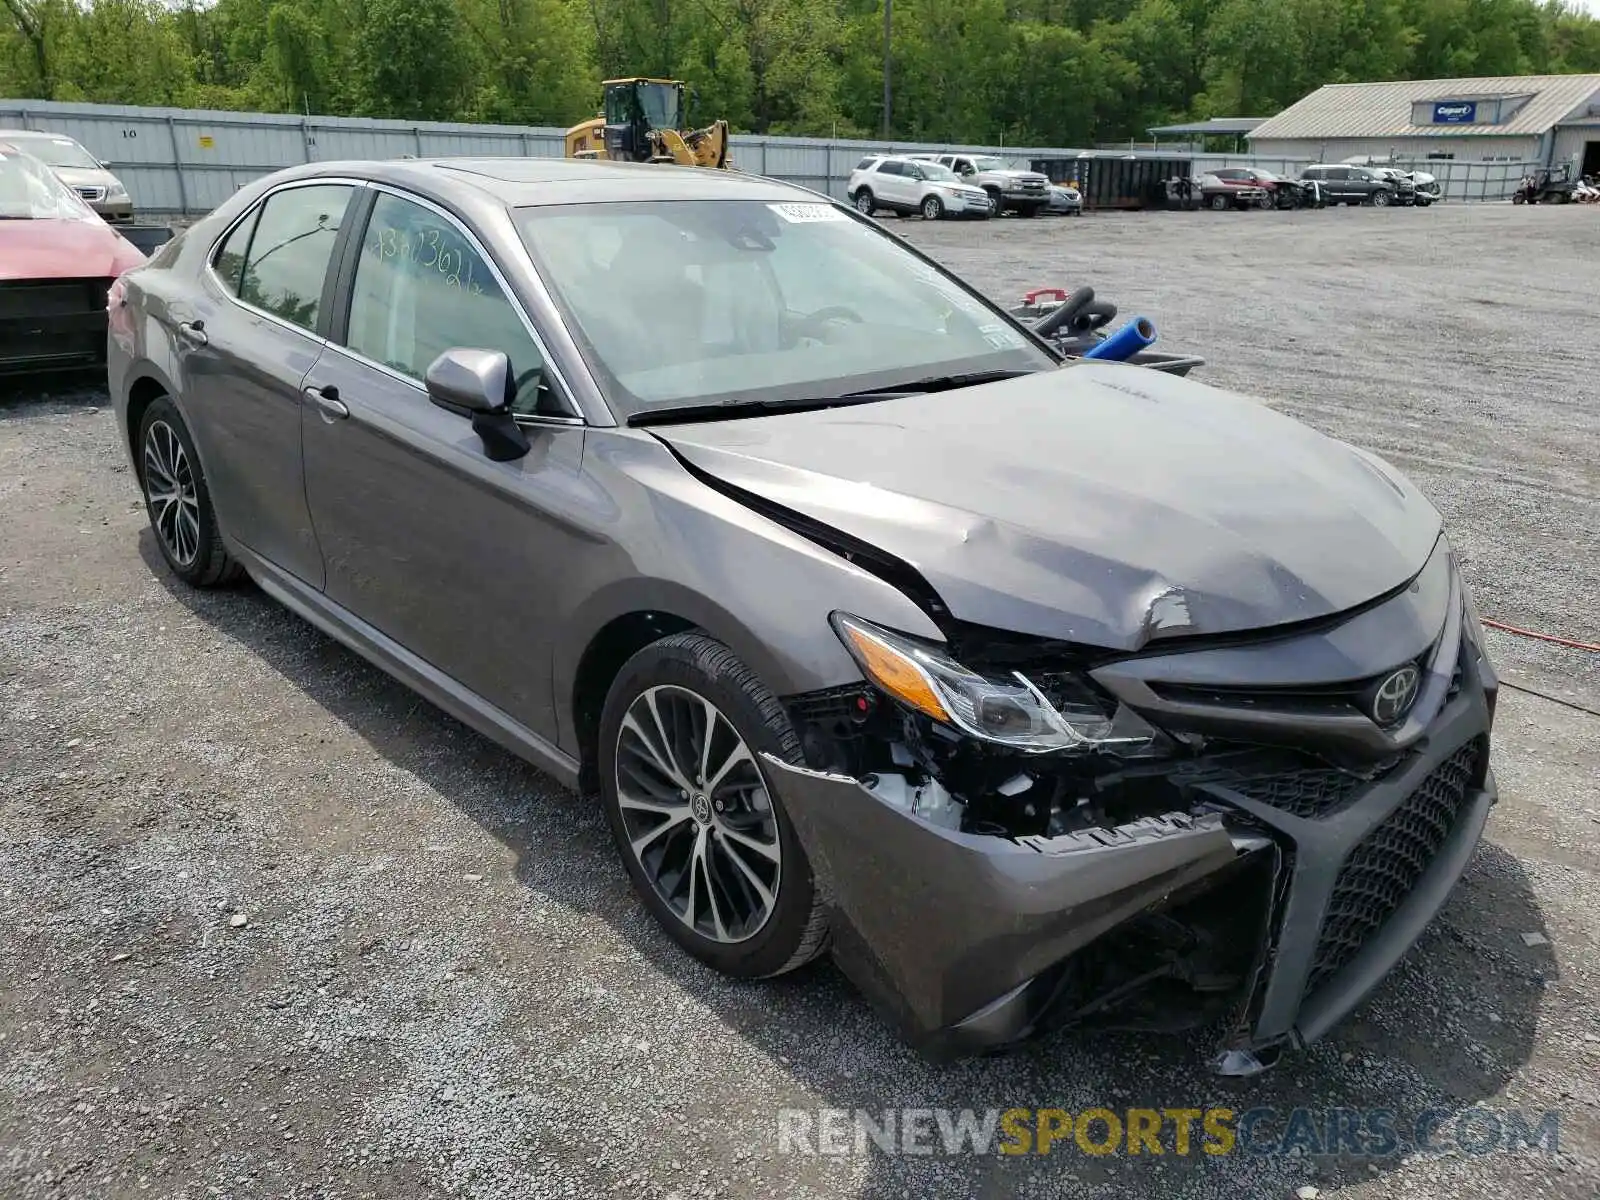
719,662
219,568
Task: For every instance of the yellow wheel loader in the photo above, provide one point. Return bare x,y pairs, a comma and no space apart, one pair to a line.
642,121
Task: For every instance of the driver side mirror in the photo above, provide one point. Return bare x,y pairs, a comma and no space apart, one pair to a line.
477,384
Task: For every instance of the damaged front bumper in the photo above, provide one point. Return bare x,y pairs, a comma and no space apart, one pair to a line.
1247,909
48,324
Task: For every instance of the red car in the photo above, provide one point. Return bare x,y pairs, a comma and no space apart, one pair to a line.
57,261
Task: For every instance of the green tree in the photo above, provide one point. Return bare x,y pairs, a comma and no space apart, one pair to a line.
414,60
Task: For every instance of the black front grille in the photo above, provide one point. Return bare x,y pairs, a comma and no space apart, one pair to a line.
1387,864
1311,793
52,321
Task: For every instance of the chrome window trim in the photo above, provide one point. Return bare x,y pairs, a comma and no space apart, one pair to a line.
505,290
260,203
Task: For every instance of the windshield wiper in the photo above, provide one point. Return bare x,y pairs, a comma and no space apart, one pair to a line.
942,383
744,408
757,408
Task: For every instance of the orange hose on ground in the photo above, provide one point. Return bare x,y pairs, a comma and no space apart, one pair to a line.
1543,637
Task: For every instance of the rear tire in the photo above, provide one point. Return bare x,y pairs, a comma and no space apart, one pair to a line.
863,202
178,500
769,919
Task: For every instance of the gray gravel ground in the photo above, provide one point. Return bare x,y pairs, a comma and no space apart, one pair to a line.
441,985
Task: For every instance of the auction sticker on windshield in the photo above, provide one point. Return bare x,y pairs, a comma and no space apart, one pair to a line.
800,213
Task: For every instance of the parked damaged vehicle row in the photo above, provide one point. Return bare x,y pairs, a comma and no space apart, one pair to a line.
1037,691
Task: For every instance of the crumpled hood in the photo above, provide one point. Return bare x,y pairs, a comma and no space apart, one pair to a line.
53,249
1102,503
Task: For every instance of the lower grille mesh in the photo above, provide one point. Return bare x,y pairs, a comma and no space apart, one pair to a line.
1386,865
1313,792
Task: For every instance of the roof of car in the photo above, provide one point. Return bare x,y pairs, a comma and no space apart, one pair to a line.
517,182
35,135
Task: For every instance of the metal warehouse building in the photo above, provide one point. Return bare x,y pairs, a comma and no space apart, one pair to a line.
1544,119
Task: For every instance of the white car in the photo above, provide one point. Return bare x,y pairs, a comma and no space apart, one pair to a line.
905,185
1011,188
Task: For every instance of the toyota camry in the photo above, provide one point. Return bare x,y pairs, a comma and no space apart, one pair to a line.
1035,691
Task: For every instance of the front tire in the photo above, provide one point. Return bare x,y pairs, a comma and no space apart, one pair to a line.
932,208
706,841
1381,199
178,500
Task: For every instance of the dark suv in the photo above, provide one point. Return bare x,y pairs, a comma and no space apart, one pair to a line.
1351,185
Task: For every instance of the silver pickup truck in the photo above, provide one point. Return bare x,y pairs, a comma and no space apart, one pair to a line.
1011,188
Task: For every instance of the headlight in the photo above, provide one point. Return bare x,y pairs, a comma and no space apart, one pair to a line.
116,192
1009,712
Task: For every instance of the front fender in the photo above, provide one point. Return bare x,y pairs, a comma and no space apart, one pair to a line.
671,544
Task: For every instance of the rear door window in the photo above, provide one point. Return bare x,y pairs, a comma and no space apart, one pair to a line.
288,258
228,261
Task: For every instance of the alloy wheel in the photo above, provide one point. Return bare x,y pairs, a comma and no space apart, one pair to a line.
697,814
170,490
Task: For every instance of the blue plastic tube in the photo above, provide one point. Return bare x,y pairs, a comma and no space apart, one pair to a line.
1125,342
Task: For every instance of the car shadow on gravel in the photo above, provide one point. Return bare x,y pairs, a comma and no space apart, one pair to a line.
22,395
1446,1032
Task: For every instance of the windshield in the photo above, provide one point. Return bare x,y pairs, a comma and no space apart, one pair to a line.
660,105
30,191
993,162
656,102
57,152
697,302
938,172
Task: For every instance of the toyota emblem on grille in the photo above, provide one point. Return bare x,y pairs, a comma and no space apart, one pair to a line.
1395,694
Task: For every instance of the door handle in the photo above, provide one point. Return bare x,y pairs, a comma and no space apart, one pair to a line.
327,399
193,331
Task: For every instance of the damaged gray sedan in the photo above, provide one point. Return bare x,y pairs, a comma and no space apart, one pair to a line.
1038,692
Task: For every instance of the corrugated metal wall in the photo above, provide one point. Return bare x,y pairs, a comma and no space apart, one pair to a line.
187,161
1571,142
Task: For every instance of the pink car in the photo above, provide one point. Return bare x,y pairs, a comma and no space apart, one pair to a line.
57,261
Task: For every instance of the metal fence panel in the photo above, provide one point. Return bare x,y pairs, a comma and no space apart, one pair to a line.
186,162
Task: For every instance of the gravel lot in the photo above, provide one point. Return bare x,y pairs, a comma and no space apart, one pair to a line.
270,926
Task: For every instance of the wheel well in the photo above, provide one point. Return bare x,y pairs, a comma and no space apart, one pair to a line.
614,645
141,396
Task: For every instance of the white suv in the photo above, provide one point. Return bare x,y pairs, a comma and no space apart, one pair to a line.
905,185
